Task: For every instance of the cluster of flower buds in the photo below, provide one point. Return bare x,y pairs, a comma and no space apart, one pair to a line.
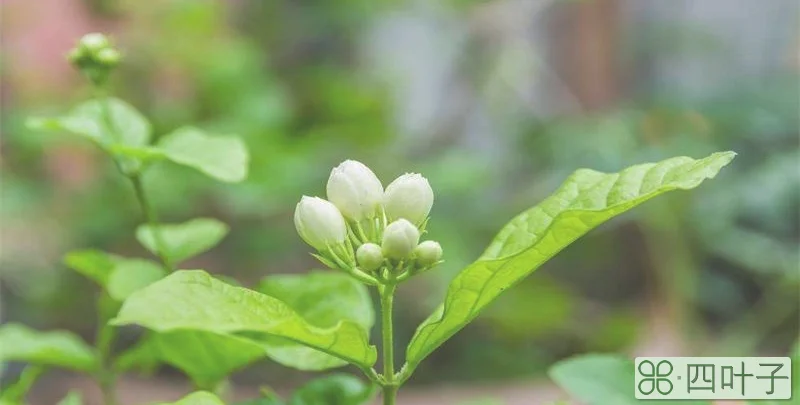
367,231
95,57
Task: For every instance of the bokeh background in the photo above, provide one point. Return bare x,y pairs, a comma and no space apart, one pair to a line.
496,102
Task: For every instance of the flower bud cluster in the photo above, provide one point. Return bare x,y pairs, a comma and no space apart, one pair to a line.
95,57
366,230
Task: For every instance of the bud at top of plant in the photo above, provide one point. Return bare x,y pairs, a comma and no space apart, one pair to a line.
399,239
428,253
410,197
319,223
369,256
355,190
94,42
109,57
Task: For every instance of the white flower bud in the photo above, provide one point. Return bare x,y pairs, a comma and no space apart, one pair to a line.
428,253
319,223
369,256
355,190
410,197
399,239
94,42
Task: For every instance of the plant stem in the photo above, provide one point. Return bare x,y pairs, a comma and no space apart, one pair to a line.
387,300
106,377
152,220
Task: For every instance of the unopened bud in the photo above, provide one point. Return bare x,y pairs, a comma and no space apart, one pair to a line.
410,196
108,57
319,223
369,256
428,253
399,239
355,190
94,42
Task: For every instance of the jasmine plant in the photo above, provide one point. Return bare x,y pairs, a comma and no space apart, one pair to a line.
371,239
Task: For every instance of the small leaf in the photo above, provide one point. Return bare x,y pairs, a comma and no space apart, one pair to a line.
73,398
57,348
192,299
104,121
206,357
118,275
598,379
183,241
223,158
587,199
335,389
197,398
323,299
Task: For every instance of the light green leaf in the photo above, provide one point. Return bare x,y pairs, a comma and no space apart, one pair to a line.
223,158
183,241
104,121
192,299
323,299
598,379
57,348
197,398
335,389
73,398
206,357
120,276
587,199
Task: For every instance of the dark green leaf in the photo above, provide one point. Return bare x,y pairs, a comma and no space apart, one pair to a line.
206,357
193,300
223,158
58,348
323,299
335,389
183,241
587,199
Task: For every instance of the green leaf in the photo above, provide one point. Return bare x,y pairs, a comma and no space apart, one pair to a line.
335,389
192,299
15,393
197,398
118,275
323,299
183,241
58,348
587,199
73,398
206,357
598,379
223,158
105,121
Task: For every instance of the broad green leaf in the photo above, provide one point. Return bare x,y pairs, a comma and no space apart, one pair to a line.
105,121
183,241
587,199
323,299
223,158
598,379
118,275
73,398
335,389
192,299
57,348
197,398
206,357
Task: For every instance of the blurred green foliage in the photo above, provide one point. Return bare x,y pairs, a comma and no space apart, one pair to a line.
289,79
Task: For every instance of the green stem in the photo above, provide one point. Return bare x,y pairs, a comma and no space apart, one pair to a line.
387,301
152,220
104,342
